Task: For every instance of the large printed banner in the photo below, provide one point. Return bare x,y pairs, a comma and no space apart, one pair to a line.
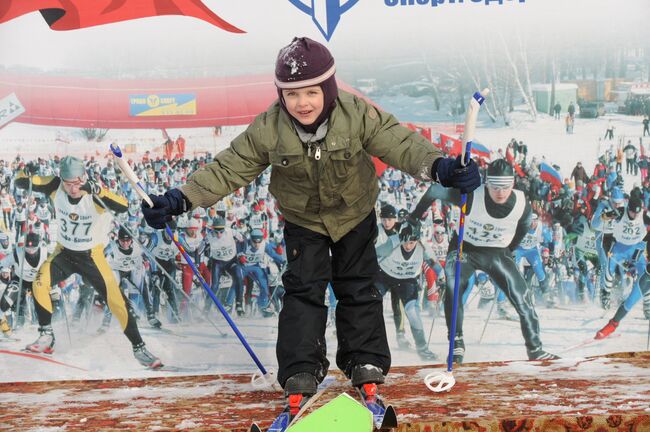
173,82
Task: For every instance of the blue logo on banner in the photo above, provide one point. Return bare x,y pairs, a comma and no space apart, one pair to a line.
326,14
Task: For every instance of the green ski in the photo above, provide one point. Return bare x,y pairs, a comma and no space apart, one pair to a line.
341,414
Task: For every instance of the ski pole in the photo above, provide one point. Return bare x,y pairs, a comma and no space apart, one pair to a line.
267,376
446,381
487,320
22,256
440,301
63,302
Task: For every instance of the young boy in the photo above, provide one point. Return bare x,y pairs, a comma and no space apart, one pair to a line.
320,142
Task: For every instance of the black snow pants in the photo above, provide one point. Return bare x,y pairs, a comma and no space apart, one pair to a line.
350,264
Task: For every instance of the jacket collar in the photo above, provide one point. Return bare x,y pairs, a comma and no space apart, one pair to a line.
290,145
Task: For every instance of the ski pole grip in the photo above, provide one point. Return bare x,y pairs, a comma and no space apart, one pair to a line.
471,117
130,175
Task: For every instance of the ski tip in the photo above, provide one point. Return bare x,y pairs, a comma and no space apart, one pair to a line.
389,421
156,365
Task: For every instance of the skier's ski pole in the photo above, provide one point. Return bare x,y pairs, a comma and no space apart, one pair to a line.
22,255
436,311
62,302
445,381
494,302
133,179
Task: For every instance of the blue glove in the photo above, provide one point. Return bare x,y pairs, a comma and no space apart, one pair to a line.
451,173
172,203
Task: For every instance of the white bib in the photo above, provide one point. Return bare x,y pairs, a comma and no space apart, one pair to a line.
224,248
29,271
163,250
630,232
440,249
81,226
255,256
586,242
127,263
396,266
532,238
483,230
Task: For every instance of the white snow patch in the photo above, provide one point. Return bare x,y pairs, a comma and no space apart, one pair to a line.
187,424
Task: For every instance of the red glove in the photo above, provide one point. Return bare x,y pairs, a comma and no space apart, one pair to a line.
242,259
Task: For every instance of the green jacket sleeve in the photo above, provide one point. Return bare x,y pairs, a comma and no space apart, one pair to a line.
232,168
397,145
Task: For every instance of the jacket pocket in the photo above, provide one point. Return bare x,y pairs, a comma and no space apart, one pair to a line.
290,166
345,161
353,192
294,256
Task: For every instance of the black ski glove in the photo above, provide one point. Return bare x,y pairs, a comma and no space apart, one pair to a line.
31,169
451,173
409,231
172,203
91,187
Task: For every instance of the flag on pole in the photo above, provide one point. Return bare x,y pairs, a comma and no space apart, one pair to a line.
550,174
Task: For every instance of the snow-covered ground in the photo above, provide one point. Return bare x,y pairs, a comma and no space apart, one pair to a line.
547,137
199,348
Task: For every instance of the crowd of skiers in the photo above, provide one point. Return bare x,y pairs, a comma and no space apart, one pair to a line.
578,249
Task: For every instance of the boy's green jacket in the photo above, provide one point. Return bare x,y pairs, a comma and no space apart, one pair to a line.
331,195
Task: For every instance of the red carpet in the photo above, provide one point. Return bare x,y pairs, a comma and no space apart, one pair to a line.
610,393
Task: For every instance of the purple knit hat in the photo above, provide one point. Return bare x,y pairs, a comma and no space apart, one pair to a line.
305,63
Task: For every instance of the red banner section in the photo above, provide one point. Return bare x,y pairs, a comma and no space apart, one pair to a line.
96,103
77,14
99,103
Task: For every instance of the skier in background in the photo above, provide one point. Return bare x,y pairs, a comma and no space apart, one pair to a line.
498,218
630,235
388,227
35,254
127,260
400,261
529,249
163,271
80,249
222,245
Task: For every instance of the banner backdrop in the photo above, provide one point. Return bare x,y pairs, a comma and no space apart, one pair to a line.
173,82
